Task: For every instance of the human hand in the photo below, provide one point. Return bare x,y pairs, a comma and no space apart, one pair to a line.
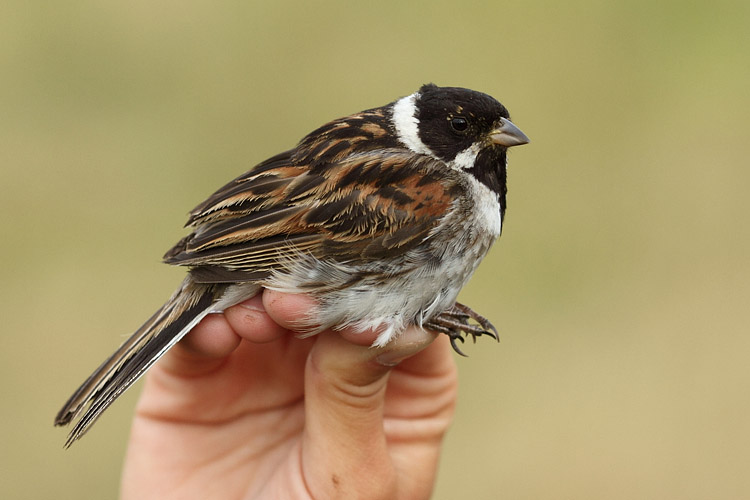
241,408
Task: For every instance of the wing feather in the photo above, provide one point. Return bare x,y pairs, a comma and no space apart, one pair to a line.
361,207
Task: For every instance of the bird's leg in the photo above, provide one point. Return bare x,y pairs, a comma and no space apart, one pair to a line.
454,322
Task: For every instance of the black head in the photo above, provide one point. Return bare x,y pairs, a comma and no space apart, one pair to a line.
452,119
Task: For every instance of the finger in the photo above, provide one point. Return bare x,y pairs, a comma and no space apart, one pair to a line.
218,335
344,447
345,451
423,387
290,311
212,338
203,348
251,322
295,310
225,366
437,360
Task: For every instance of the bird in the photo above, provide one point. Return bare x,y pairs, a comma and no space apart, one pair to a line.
381,216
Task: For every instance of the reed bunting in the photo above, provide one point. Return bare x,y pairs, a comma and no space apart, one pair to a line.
382,216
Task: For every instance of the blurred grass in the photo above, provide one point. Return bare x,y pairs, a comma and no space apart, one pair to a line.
620,285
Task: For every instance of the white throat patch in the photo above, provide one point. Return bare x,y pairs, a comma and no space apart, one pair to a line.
465,159
407,125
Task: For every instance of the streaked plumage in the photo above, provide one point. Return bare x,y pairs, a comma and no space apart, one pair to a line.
382,216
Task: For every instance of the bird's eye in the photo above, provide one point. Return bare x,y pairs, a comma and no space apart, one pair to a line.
459,123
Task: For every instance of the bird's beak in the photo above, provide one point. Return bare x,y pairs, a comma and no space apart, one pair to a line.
507,134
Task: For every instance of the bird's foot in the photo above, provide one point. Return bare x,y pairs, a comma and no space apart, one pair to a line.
455,323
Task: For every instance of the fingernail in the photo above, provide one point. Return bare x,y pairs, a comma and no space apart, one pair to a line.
254,304
409,343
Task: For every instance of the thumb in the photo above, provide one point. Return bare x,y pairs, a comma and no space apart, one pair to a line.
344,448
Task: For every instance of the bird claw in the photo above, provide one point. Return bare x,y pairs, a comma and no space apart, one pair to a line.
455,323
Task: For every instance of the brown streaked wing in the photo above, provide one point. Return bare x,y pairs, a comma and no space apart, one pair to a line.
252,182
382,204
364,207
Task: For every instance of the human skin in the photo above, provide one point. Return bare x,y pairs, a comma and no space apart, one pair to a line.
243,408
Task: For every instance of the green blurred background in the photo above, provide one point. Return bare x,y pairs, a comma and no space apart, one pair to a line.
620,285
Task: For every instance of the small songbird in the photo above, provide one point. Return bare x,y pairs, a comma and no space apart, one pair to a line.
381,216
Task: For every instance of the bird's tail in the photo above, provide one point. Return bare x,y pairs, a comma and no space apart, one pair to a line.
189,304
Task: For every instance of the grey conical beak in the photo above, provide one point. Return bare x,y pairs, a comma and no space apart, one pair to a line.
507,134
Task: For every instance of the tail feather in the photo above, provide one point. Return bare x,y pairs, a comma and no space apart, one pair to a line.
189,304
73,406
